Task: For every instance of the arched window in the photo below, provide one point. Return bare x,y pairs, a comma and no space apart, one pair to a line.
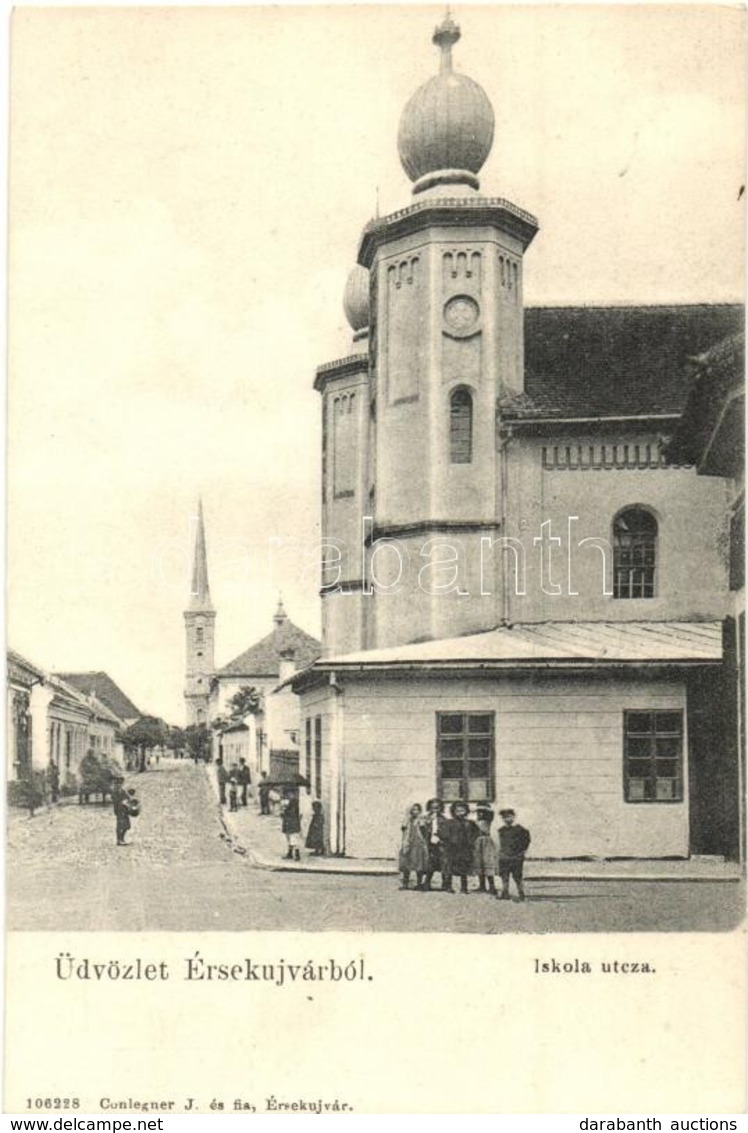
199,634
634,553
461,427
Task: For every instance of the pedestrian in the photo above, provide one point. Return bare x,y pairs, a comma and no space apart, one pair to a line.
263,789
461,836
513,843
435,833
233,781
315,835
414,855
291,823
485,855
33,791
121,807
53,780
133,803
244,780
222,777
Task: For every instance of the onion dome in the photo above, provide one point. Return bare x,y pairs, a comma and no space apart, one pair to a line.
446,129
356,299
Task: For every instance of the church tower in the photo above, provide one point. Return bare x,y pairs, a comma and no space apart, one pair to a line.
445,345
199,621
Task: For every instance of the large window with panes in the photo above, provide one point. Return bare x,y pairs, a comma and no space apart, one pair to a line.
653,756
634,554
465,756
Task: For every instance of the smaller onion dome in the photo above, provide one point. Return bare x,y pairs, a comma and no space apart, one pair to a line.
447,125
356,299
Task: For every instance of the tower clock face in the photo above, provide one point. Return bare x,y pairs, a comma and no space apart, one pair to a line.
461,314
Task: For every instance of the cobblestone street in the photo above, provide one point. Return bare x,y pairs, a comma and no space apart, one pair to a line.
180,874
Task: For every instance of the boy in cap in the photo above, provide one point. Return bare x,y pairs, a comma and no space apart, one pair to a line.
513,843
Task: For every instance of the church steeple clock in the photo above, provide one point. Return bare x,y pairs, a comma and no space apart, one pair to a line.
199,621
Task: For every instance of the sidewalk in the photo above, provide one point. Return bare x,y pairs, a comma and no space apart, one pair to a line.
260,838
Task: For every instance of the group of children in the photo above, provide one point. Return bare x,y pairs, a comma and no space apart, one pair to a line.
462,847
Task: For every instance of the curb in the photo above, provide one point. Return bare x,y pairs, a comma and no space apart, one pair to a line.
362,869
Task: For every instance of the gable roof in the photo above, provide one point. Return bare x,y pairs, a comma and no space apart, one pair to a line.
104,689
583,362
264,658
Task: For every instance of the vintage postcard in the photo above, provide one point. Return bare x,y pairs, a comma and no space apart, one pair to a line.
375,662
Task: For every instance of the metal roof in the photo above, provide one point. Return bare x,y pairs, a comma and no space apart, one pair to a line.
558,642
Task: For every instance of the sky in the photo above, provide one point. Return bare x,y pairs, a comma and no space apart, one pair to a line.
187,191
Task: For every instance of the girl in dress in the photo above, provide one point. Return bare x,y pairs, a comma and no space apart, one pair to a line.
315,835
485,855
462,834
414,855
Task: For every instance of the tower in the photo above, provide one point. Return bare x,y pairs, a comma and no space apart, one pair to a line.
199,622
445,345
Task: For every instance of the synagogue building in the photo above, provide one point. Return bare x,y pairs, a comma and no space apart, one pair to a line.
524,592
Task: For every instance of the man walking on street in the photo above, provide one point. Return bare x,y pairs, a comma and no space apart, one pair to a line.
264,793
244,780
53,779
513,843
121,805
222,777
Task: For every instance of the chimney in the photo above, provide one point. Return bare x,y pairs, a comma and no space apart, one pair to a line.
287,664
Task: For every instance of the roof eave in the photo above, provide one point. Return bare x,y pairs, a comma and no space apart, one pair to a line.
544,426
317,676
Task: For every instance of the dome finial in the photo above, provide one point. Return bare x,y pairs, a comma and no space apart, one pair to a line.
280,616
444,37
446,128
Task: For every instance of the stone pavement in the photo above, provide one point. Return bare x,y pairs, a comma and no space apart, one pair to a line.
261,839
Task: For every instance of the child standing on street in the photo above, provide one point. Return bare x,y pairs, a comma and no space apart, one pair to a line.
513,842
485,858
414,854
315,835
291,823
461,835
234,788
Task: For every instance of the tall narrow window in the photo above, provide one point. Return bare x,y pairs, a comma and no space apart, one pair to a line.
199,635
318,757
308,752
653,757
634,553
465,756
461,427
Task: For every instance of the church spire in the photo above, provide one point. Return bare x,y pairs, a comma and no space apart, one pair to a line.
200,588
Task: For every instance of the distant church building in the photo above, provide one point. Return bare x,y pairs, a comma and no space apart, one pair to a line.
269,739
200,625
536,618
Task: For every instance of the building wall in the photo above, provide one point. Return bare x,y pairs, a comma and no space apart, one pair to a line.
241,745
68,738
318,711
229,686
692,571
559,760
281,715
563,491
